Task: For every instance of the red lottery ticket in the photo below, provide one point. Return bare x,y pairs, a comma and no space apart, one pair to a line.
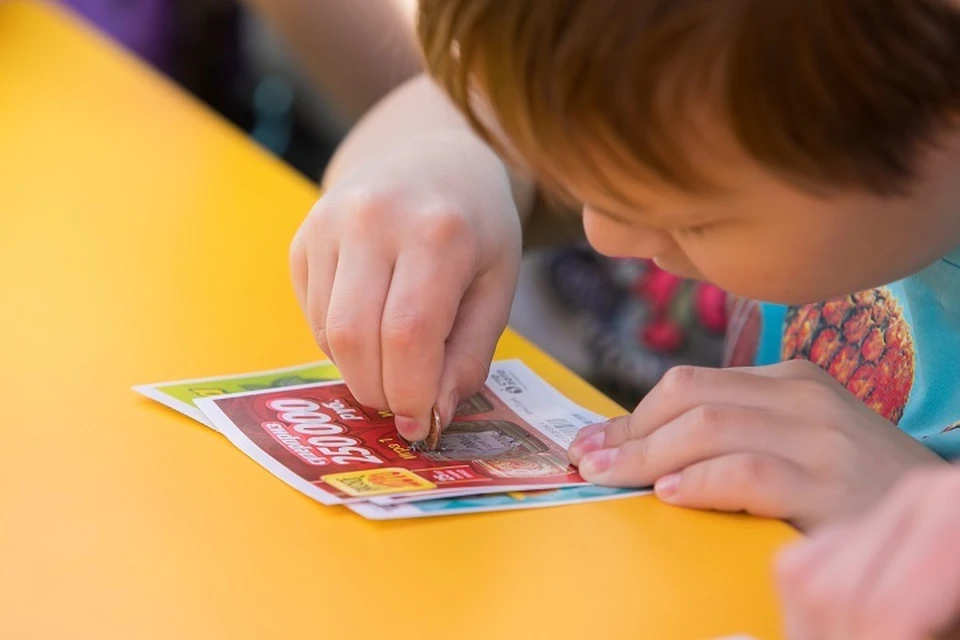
513,435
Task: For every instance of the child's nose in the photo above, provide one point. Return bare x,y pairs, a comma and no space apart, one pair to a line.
617,239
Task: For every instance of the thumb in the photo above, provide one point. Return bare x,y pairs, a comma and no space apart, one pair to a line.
481,320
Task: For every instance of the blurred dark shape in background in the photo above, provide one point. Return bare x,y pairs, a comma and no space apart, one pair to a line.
225,53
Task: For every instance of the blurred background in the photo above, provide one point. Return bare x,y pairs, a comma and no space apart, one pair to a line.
293,74
297,74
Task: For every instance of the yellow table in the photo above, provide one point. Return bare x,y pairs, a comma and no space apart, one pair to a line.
142,239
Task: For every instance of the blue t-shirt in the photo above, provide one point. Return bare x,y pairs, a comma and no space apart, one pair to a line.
897,348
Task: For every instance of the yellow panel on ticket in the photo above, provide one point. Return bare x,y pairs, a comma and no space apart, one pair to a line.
373,482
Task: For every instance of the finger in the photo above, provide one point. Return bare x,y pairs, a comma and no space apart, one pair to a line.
321,269
480,322
916,589
594,438
298,268
758,484
796,566
832,594
836,593
352,327
703,433
418,317
797,562
684,388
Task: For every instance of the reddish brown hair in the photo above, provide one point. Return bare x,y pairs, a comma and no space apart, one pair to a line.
828,93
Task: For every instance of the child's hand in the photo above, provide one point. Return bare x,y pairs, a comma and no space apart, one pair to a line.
785,441
406,271
894,574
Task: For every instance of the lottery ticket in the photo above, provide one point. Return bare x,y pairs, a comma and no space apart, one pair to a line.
513,436
493,502
179,395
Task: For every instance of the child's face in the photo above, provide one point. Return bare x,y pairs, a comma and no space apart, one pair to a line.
767,239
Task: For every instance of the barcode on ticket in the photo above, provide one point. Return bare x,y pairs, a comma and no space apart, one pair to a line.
563,430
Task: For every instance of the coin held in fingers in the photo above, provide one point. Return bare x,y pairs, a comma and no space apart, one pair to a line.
432,441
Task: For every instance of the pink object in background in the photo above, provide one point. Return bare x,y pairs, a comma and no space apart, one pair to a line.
663,335
711,305
657,287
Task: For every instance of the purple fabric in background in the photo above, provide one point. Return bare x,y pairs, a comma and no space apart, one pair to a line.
143,26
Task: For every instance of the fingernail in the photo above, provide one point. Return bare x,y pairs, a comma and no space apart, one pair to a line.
666,487
409,428
593,442
597,462
589,431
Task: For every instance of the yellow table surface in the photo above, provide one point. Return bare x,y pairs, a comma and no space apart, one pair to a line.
143,239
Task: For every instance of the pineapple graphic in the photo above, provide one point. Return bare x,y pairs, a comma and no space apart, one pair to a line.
863,341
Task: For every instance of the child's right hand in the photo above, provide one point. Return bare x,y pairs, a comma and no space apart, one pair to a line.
406,269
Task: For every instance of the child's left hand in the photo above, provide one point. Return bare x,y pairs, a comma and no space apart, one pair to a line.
785,441
894,574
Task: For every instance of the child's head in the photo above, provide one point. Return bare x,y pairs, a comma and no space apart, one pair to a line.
787,150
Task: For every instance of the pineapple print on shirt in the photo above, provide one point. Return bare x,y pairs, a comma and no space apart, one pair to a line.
863,341
893,347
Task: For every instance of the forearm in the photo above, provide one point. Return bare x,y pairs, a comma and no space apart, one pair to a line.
413,113
355,51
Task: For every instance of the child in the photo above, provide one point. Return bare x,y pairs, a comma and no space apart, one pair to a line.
782,150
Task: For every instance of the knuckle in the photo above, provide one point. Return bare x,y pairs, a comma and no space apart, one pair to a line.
342,337
800,368
750,470
320,214
710,421
679,379
361,208
813,393
697,480
639,456
833,448
446,226
405,332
